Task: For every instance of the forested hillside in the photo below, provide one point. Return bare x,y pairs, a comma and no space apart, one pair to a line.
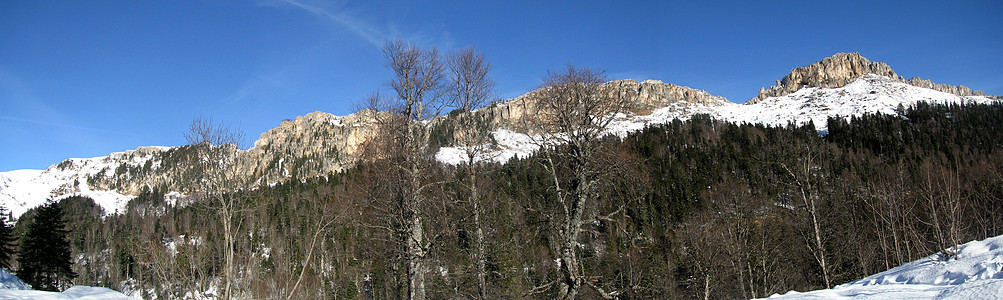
688,209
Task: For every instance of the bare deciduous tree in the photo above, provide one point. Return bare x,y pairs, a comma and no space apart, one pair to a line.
470,88
807,189
469,83
401,145
218,178
574,111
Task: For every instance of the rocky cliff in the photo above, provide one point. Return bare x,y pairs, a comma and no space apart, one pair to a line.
320,143
312,145
641,96
842,68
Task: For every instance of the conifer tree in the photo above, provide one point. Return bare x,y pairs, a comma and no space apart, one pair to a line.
44,256
6,239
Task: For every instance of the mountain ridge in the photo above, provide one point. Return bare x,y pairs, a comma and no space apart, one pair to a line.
318,143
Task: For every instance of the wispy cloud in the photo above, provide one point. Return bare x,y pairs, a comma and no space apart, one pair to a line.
366,29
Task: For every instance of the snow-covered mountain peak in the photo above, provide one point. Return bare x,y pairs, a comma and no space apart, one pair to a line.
866,94
844,68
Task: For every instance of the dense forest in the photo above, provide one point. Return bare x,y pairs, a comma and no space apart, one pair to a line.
689,209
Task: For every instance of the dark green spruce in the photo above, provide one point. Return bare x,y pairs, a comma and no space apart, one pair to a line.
44,256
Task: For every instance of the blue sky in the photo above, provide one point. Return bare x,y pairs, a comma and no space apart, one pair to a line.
86,78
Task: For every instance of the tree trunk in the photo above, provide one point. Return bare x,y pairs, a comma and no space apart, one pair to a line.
572,280
416,257
479,233
226,215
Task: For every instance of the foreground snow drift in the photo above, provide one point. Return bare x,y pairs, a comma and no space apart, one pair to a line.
975,273
12,287
76,292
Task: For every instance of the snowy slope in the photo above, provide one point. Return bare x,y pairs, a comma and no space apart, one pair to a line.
867,94
975,273
21,190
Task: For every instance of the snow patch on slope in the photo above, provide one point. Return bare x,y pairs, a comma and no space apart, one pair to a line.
869,93
976,272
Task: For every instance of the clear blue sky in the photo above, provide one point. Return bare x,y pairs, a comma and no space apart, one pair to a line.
86,78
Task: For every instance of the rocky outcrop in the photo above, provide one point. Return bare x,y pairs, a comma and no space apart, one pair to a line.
641,96
312,145
834,71
959,90
841,69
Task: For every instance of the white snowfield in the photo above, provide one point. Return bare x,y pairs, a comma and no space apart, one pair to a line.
975,273
868,94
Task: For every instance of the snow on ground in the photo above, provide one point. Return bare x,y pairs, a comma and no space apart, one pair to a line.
975,273
76,292
21,190
867,94
9,281
12,287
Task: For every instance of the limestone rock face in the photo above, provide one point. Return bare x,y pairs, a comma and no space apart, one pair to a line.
652,94
834,71
312,145
841,69
641,96
959,90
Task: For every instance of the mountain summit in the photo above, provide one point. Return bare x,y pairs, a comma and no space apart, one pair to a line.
841,69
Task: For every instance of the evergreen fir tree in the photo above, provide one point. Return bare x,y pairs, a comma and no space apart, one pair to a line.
6,239
44,256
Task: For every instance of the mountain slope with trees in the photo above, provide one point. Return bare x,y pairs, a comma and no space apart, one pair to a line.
579,193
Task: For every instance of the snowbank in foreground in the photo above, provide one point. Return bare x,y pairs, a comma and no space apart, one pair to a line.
12,288
975,273
76,292
9,281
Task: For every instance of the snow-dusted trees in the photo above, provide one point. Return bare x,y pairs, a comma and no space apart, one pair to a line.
574,111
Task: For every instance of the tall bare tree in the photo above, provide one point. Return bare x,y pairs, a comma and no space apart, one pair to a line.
469,82
401,145
574,110
470,87
218,178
